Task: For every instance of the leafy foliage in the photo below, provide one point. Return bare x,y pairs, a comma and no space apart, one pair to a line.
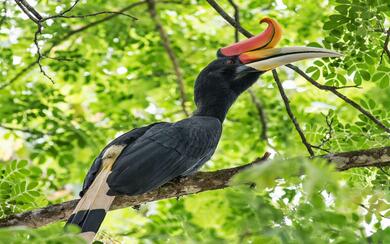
50,235
112,74
19,188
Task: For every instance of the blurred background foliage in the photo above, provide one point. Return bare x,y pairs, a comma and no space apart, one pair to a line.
113,74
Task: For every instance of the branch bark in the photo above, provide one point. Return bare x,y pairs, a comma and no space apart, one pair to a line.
167,46
200,182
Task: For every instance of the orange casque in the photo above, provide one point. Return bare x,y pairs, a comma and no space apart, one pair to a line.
246,49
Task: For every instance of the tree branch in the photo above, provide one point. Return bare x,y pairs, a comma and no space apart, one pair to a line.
291,114
167,46
200,182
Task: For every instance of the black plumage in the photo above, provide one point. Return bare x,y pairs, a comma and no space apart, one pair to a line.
148,157
157,153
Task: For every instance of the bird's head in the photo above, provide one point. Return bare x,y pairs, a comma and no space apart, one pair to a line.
239,65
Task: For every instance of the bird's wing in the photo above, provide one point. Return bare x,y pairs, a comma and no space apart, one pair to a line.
161,155
125,139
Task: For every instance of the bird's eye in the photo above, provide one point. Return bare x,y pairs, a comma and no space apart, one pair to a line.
229,61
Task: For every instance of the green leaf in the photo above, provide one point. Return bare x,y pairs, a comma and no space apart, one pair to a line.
311,69
377,76
341,79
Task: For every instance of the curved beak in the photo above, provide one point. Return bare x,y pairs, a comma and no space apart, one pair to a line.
259,52
268,59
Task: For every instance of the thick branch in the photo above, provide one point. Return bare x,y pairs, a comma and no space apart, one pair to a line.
167,46
290,113
200,182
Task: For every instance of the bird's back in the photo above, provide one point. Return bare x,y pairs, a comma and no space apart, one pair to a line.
164,151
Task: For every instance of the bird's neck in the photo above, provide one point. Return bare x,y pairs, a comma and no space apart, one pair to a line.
214,108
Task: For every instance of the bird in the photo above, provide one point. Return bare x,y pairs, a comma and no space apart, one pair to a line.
148,157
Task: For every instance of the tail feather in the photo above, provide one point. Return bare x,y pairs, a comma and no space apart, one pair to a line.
93,206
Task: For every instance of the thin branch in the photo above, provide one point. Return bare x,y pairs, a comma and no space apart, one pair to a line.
383,171
167,46
343,97
236,18
40,56
386,46
291,114
327,137
28,131
199,182
70,8
261,114
229,19
89,15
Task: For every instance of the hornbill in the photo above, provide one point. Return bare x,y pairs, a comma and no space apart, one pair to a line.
148,157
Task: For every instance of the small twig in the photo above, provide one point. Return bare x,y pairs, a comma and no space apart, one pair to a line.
229,19
6,127
89,15
40,56
383,171
327,137
58,59
386,46
70,8
237,19
261,114
291,115
167,46
343,97
368,210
